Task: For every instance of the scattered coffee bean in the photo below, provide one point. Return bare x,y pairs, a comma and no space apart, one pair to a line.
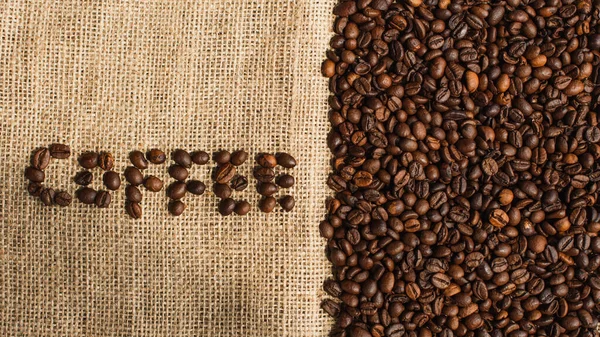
133,194
239,183
62,199
138,160
106,161
182,158
86,195
225,173
156,156
267,189
242,207
134,210
34,189
88,160
200,158
47,196
287,203
285,181
153,184
41,158
222,191
267,204
266,160
102,199
239,157
176,190
178,172
134,176
111,180
222,157
176,207
83,178
34,175
286,160
226,206
196,187
59,151
264,175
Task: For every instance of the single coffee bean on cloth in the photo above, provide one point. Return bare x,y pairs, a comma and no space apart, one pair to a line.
189,79
466,147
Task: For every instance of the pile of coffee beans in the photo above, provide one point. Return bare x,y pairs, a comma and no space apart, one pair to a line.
268,185
466,145
40,160
111,179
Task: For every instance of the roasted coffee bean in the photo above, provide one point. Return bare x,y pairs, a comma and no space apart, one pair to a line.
106,161
267,189
286,181
182,158
86,195
111,180
267,204
156,156
153,184
88,160
34,189
178,172
287,203
239,157
138,160
34,175
134,176
62,199
225,173
59,151
196,187
47,196
266,160
134,210
200,158
286,160
40,158
83,178
176,207
222,191
226,206
239,183
176,190
133,194
242,207
102,199
264,175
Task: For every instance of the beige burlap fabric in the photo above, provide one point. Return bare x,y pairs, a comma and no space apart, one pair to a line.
117,76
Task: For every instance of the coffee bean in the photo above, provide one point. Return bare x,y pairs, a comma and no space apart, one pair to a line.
242,207
178,172
134,210
287,203
153,184
88,160
285,160
133,194
134,176
182,158
264,175
34,189
83,178
138,160
267,204
239,183
106,161
222,157
222,191
62,199
176,190
47,196
225,173
176,207
102,199
34,175
59,151
111,180
498,218
285,181
196,187
226,206
266,160
330,307
86,195
200,158
267,189
41,158
156,156
239,157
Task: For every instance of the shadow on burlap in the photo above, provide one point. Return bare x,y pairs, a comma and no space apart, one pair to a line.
199,75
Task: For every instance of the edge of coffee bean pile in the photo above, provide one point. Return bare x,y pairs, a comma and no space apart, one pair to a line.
465,148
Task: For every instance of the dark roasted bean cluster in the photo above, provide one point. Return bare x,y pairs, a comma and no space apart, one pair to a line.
40,160
268,185
466,145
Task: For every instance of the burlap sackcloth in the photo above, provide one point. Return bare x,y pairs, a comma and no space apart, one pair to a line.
112,75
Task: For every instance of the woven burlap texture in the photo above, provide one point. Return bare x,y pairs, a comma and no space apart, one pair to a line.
112,75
